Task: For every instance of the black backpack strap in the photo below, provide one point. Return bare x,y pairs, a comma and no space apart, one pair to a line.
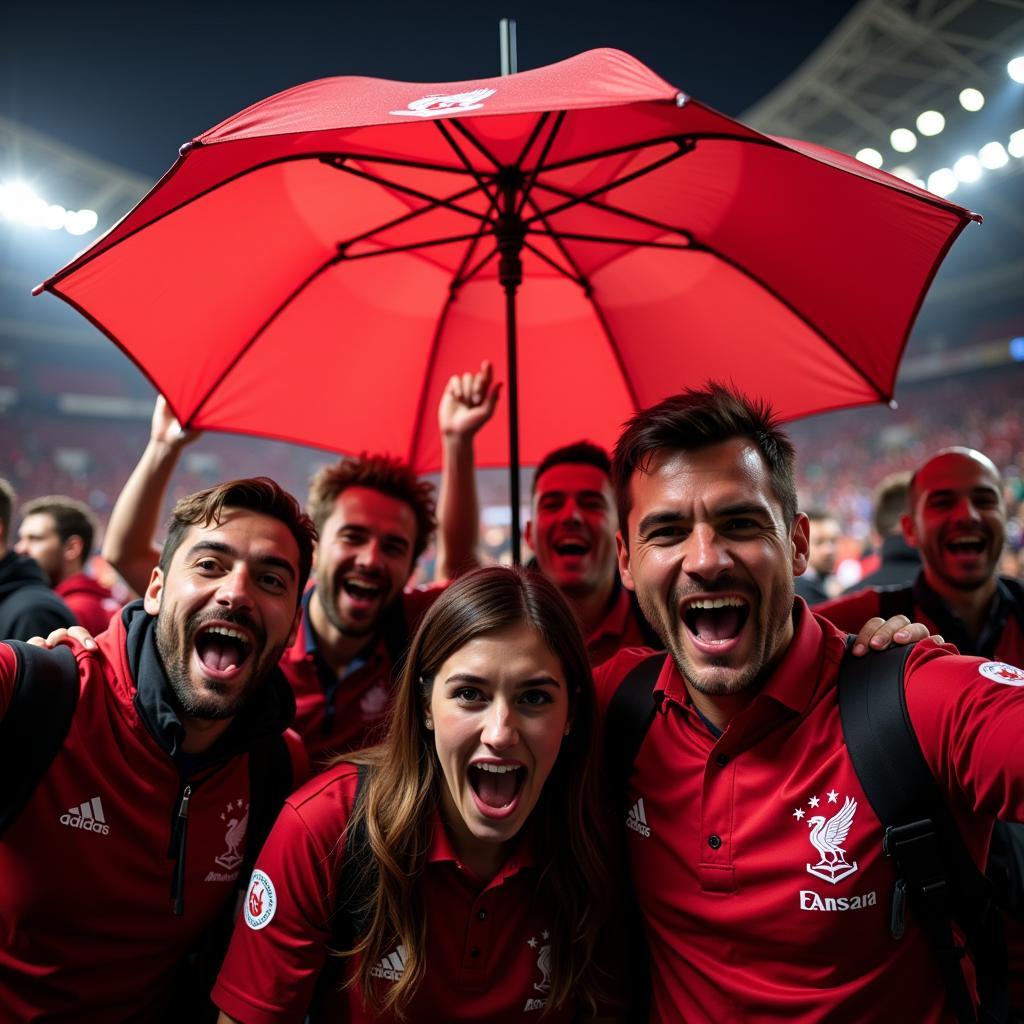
630,713
36,722
270,782
357,884
935,874
1015,590
896,601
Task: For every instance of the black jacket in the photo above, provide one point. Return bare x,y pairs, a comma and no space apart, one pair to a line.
900,566
28,607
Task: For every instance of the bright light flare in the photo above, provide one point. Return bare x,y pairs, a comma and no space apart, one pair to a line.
972,99
869,156
903,140
968,168
942,182
80,222
930,122
1016,146
993,156
1015,69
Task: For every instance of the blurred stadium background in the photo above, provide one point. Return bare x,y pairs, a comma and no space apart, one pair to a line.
933,91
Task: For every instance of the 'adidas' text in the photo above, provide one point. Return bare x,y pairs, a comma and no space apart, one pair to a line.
637,819
87,816
390,967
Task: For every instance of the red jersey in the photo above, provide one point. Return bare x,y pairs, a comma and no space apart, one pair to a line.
486,952
334,716
620,628
752,912
90,602
86,915
1001,638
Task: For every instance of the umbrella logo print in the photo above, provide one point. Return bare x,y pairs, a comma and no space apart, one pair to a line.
432,106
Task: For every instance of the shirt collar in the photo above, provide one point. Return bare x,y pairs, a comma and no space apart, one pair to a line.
523,855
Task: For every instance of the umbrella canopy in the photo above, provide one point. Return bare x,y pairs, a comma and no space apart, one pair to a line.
316,267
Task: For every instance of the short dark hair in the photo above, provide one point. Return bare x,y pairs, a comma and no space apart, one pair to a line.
255,494
71,518
579,453
378,473
891,501
699,418
7,500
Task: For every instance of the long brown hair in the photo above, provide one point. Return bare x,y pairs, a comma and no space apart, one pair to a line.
403,787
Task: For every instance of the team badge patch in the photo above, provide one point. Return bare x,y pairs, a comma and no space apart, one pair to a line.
827,833
260,901
1000,672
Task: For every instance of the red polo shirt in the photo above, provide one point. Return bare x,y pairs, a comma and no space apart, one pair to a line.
336,715
619,629
746,921
91,603
485,943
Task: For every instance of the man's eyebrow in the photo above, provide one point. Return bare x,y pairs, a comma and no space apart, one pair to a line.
743,508
221,548
653,519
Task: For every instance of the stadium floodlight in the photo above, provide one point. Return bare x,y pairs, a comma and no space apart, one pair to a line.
1015,69
55,217
20,203
992,156
942,182
930,122
972,99
968,168
903,140
80,222
1016,146
869,156
904,172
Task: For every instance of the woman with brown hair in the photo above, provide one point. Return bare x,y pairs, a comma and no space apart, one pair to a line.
461,861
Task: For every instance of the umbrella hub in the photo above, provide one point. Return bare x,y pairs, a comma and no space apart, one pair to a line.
509,228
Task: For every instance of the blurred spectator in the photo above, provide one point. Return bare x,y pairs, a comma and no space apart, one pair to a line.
818,582
57,532
898,562
28,607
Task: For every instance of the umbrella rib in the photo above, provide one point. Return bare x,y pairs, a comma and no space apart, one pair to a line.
476,143
293,295
562,247
435,344
405,217
616,351
684,148
534,132
481,183
661,140
577,236
556,266
468,275
640,218
429,244
406,189
532,176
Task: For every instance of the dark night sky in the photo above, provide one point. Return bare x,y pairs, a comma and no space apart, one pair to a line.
131,82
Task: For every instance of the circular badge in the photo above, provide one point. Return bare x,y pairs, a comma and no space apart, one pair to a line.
1000,672
260,901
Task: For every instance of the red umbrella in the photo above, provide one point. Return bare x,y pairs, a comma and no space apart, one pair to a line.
316,267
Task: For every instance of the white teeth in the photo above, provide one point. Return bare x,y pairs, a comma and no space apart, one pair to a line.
718,602
233,633
497,769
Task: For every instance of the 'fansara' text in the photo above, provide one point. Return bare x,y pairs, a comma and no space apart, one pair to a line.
810,900
534,1004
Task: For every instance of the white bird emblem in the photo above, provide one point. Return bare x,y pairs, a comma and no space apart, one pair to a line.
828,837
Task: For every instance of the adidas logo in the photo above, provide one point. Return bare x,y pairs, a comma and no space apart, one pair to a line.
390,967
87,816
637,819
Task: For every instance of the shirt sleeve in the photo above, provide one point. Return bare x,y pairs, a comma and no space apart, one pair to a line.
968,715
280,942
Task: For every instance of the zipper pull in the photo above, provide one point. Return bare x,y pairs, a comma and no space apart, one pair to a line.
179,866
898,913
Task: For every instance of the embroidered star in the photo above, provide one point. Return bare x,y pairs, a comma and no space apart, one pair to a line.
532,943
223,817
832,796
813,802
544,935
798,813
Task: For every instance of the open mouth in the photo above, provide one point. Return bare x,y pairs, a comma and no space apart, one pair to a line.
966,546
716,620
222,650
496,785
572,547
360,589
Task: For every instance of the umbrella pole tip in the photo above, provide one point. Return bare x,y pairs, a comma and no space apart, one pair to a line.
893,404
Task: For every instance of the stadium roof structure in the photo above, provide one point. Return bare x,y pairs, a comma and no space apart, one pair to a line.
886,63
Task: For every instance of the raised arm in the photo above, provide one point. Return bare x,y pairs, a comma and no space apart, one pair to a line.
128,542
467,404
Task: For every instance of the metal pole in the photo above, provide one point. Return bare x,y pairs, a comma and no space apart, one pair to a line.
507,43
